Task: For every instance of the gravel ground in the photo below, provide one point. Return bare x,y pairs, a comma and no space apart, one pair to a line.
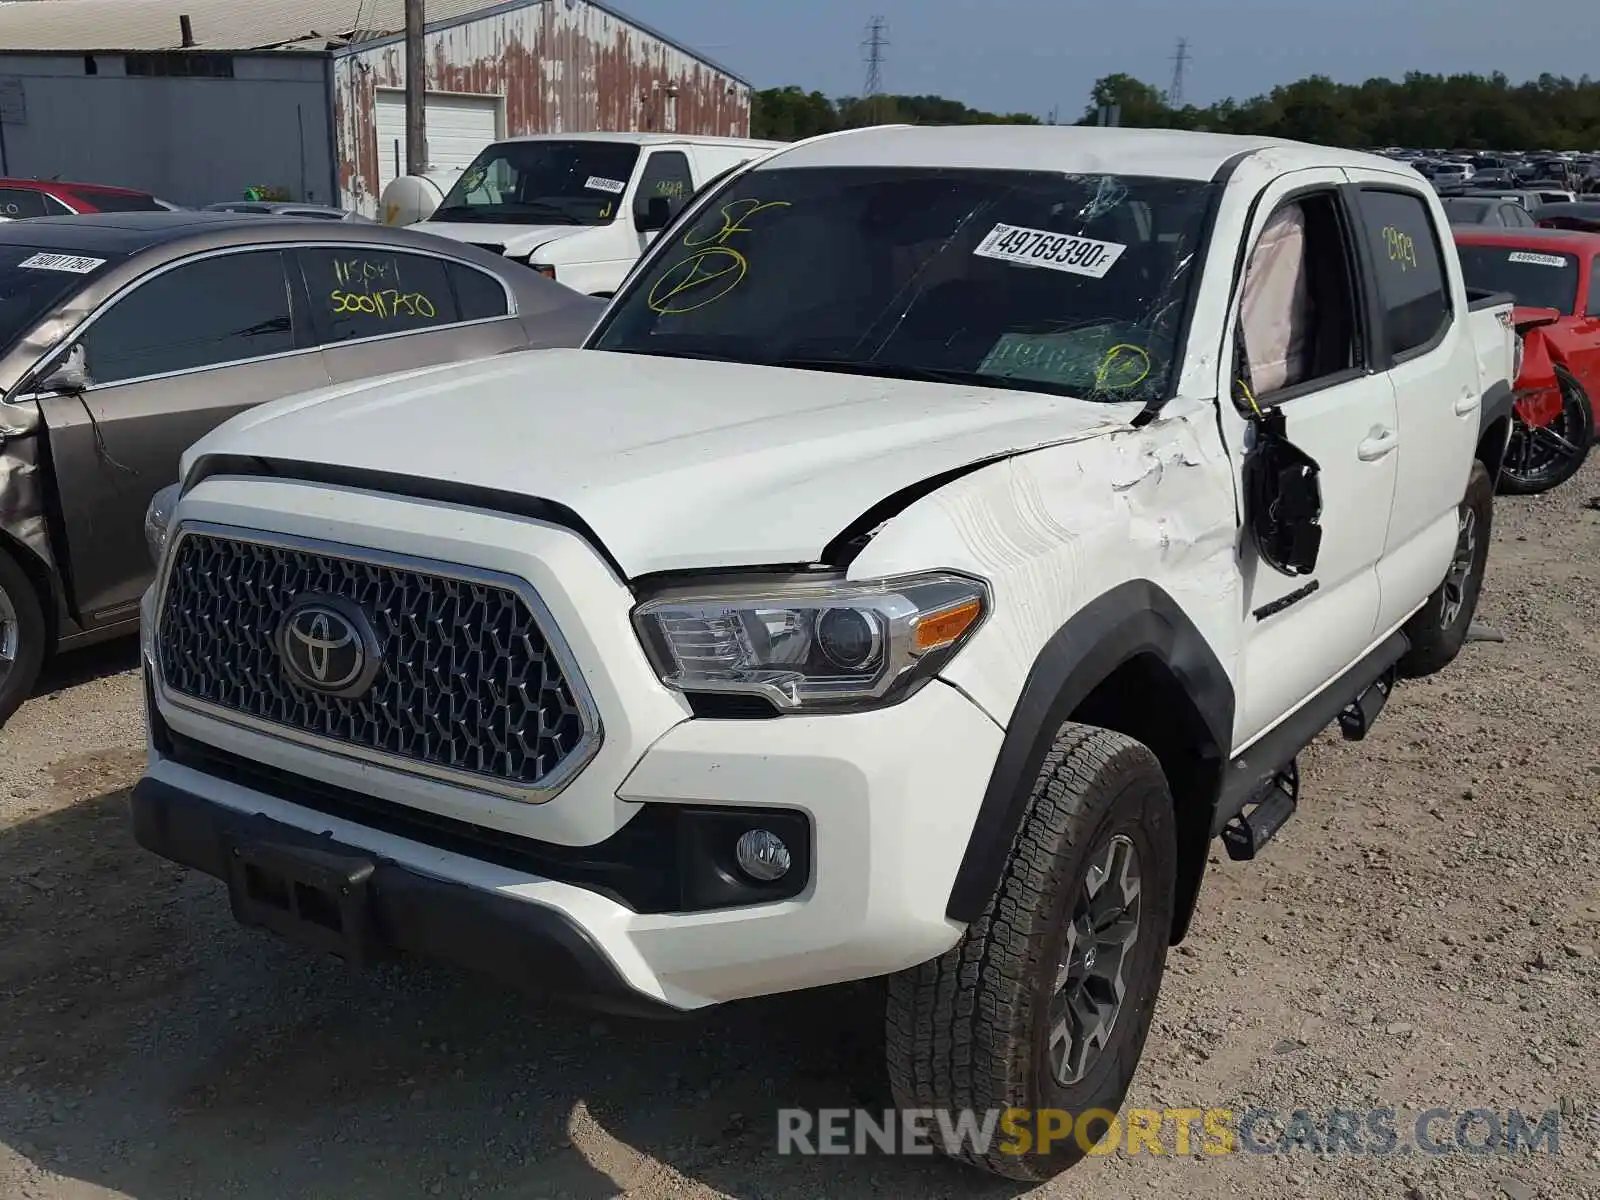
1422,935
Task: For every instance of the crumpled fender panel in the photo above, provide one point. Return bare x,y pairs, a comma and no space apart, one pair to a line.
22,479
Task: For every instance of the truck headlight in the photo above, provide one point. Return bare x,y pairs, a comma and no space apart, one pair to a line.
157,518
811,644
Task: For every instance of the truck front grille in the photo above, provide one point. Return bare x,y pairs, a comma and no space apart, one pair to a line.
468,684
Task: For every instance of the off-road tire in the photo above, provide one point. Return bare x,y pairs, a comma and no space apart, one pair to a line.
18,677
1581,406
1436,637
970,1029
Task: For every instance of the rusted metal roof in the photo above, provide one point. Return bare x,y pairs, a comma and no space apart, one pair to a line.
312,25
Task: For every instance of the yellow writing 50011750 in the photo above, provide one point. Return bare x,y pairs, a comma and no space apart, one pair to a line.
391,303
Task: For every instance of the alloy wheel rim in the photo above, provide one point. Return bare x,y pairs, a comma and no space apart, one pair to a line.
1087,1000
1538,449
10,634
1459,577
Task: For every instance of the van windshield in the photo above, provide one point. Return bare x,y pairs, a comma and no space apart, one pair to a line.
542,183
1072,284
33,281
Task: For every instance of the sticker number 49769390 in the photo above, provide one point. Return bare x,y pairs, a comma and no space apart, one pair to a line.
1056,251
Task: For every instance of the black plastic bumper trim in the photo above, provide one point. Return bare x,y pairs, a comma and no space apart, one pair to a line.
526,945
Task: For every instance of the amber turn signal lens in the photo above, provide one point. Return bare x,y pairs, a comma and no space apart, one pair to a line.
940,629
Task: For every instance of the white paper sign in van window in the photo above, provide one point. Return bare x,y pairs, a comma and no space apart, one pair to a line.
1526,257
1056,251
74,264
599,183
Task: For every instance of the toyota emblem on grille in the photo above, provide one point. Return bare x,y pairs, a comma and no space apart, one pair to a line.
328,645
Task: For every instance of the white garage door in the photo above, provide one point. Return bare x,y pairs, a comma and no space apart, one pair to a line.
458,127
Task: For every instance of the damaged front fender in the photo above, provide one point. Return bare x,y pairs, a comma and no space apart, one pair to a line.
23,475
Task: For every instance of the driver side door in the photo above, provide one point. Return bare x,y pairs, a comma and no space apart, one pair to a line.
167,360
1301,311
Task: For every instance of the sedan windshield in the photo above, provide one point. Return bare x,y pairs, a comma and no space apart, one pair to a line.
1073,284
33,281
542,183
1537,278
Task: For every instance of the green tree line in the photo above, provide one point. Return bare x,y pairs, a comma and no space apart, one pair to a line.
1465,112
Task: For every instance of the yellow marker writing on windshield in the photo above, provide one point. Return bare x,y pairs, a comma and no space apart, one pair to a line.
713,269
1123,366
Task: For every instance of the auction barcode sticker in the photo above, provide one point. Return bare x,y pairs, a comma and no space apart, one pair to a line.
74,263
1057,251
600,183
1537,260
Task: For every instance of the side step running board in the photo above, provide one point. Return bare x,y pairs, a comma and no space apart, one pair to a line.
1269,810
1361,714
1259,767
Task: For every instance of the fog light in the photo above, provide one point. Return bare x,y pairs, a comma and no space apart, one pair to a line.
762,855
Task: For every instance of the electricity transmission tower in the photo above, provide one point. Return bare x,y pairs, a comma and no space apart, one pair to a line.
1180,59
874,45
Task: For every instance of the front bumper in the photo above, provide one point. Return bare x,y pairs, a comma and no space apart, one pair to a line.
890,799
525,945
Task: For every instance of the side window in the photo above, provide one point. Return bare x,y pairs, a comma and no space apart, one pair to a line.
1410,267
1298,309
666,174
479,294
363,292
1594,288
208,313
18,203
54,207
1516,216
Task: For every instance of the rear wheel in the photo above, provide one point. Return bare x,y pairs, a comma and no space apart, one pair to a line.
1046,1001
22,636
1540,457
1439,629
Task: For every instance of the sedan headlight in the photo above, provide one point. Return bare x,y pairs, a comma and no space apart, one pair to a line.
811,644
157,518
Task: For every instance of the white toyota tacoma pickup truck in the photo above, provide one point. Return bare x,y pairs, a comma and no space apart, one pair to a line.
945,535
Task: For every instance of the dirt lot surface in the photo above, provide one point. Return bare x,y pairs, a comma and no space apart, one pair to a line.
1422,935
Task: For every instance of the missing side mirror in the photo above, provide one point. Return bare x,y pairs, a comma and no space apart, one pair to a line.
657,215
70,374
1283,497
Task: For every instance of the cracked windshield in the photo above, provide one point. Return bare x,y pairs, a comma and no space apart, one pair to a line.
1024,279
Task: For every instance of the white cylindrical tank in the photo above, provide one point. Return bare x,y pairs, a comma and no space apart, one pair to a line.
412,198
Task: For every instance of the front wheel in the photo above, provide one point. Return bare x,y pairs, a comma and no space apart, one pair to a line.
22,637
1045,1003
1439,629
1540,457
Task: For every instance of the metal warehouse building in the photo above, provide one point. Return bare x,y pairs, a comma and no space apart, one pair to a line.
197,100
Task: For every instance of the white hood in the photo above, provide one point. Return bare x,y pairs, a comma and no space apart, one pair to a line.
673,463
519,240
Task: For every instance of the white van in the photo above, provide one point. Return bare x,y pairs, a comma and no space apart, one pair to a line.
581,208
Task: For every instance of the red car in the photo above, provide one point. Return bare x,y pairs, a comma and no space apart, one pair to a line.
21,198
1555,276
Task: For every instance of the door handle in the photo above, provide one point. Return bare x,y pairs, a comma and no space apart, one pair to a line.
1377,445
1467,405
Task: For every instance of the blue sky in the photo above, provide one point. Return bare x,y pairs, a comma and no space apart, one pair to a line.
1030,55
